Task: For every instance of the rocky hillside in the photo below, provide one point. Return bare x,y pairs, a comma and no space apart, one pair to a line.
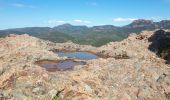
127,70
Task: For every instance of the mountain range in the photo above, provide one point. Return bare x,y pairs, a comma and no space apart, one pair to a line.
96,35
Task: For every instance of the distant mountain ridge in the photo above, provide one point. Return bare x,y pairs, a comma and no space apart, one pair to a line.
96,35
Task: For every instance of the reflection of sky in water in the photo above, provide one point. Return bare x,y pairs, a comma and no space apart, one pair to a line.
78,55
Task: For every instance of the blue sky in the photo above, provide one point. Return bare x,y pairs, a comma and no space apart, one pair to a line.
30,13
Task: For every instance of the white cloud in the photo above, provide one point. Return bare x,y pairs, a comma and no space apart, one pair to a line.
78,21
55,21
124,19
19,5
82,21
156,19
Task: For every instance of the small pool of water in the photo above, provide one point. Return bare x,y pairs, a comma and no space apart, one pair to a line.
53,66
78,55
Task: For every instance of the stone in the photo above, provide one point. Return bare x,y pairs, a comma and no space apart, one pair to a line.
39,83
88,88
2,70
52,93
38,90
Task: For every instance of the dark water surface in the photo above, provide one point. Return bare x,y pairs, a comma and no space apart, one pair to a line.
78,55
53,66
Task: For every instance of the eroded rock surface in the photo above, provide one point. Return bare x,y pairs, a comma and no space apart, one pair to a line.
129,71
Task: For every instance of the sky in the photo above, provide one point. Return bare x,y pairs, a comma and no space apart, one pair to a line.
50,13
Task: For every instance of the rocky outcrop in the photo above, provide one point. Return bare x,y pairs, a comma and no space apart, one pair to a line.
127,71
161,44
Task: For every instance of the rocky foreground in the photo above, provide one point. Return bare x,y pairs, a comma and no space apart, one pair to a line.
127,70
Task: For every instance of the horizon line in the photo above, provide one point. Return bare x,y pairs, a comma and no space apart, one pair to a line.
83,25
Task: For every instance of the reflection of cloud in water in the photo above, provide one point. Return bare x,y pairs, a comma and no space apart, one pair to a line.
78,55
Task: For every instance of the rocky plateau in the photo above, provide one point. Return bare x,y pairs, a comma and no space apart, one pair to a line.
126,70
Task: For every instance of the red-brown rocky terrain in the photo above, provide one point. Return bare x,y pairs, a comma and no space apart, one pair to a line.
126,70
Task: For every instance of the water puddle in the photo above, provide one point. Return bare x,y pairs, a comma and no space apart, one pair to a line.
78,55
69,64
53,66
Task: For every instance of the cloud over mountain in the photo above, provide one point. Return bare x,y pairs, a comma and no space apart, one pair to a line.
124,19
